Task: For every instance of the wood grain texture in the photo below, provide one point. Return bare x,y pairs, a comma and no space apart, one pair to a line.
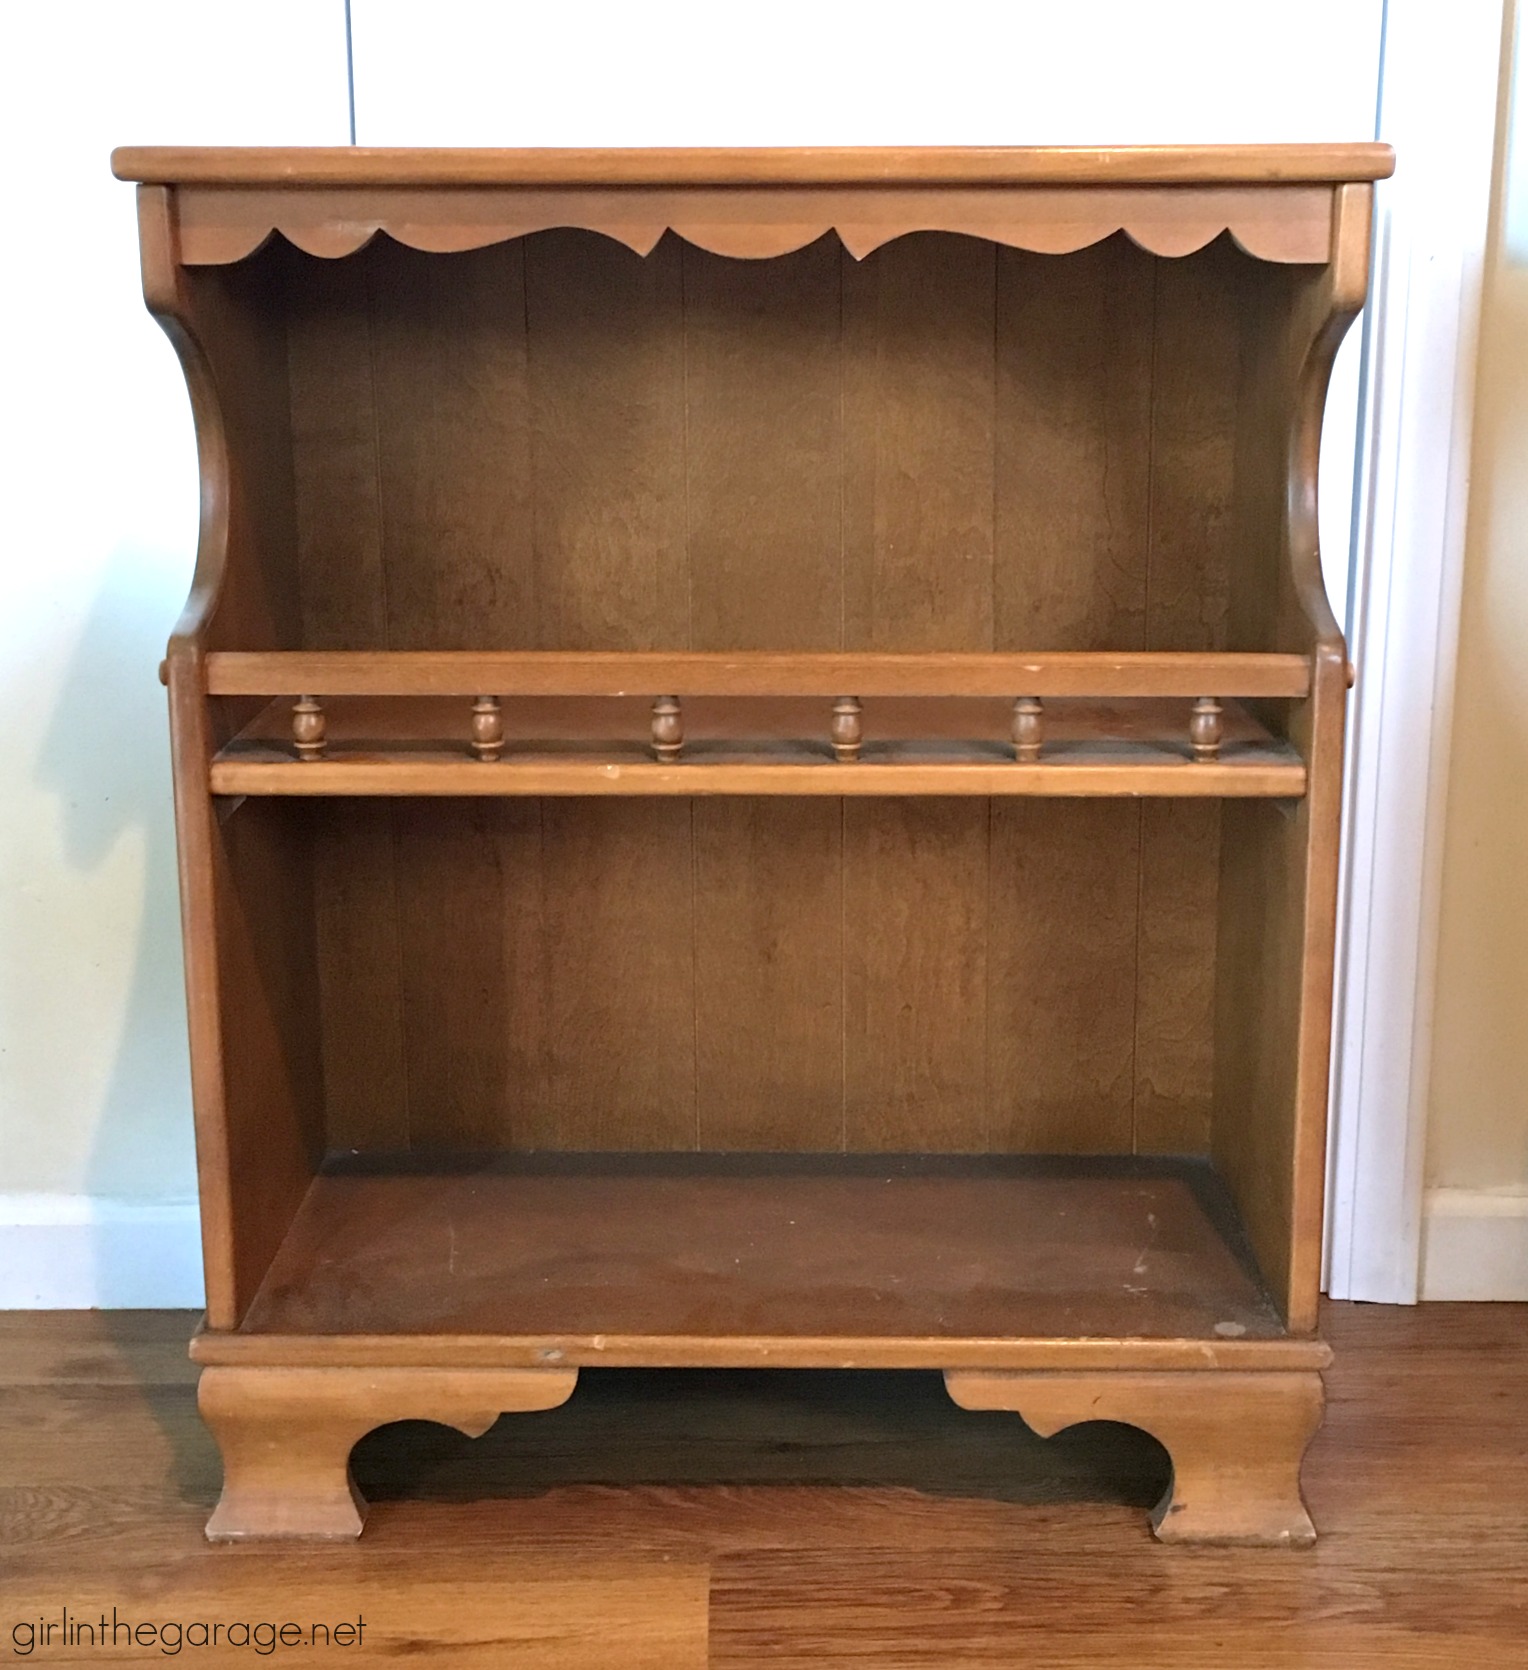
592,747
948,1539
1281,223
452,396
1174,1055
1061,1004
1098,673
1269,1127
1073,473
362,976
619,921
917,1254
764,406
607,424
664,422
285,1435
268,1045
1236,1442
1200,308
458,888
1126,769
762,165
915,930
335,432
769,973
919,374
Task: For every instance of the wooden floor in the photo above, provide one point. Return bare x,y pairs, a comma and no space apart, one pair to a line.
678,1519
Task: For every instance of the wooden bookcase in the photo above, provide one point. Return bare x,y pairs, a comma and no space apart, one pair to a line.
757,750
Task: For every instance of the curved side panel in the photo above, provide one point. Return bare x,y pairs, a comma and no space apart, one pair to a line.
1318,733
254,1057
164,294
192,746
1337,303
1276,944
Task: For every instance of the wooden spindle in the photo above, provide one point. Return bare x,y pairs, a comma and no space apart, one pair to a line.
1028,727
1205,728
847,730
668,728
308,728
487,728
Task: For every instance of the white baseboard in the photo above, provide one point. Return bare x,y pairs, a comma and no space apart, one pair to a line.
1475,1244
75,1252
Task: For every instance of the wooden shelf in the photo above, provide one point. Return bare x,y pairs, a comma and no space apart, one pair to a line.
929,401
590,746
698,1258
755,673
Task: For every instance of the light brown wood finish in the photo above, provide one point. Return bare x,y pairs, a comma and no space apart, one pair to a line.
1235,1442
812,501
1120,772
762,165
1290,224
286,1436
598,748
804,1249
750,1519
251,1004
762,673
1279,876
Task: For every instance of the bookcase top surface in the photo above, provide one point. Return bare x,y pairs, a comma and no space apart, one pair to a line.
772,166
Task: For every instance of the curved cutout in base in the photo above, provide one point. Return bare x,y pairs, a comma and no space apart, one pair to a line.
1235,1439
286,1434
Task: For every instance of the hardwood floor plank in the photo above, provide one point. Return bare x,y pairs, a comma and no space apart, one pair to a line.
830,1519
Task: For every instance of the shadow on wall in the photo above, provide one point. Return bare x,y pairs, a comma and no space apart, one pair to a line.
105,760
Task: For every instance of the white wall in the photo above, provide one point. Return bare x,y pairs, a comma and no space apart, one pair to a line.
95,1155
100,500
1476,1228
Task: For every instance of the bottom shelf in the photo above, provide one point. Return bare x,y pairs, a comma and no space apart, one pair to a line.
588,1250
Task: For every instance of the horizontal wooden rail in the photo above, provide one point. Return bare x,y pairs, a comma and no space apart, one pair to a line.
575,673
1276,777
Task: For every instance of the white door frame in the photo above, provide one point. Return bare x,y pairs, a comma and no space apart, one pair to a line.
1439,81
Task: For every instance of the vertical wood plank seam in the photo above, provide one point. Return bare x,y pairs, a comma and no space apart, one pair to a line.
843,974
299,567
843,644
1135,982
532,498
992,420
369,290
542,951
1147,642
684,443
400,983
689,639
989,1112
843,465
380,511
695,974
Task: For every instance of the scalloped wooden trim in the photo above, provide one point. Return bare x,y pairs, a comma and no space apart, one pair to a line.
1280,223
